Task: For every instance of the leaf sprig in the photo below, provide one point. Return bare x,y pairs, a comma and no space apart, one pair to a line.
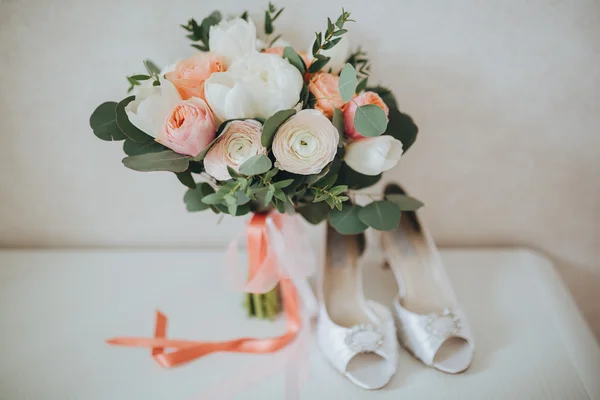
153,73
271,14
328,40
200,33
362,64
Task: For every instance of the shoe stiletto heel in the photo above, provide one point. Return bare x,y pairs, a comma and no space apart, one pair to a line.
430,323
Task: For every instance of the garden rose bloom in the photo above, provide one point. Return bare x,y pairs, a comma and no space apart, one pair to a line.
152,105
189,128
278,50
233,38
239,141
350,110
254,86
325,88
305,143
373,155
189,75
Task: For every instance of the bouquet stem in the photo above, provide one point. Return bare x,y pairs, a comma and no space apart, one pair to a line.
264,305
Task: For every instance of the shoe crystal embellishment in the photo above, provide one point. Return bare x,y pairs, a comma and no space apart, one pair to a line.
444,325
364,338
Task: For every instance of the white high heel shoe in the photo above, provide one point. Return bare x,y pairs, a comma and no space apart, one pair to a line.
430,322
356,336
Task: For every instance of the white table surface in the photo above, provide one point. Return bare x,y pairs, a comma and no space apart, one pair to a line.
58,307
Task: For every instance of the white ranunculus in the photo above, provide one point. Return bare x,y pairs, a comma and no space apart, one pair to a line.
373,155
233,38
305,143
255,86
338,54
152,105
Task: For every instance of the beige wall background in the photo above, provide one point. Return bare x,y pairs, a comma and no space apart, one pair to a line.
506,94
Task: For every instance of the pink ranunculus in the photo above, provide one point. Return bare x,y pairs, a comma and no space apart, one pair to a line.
350,110
239,141
278,50
189,128
189,75
325,88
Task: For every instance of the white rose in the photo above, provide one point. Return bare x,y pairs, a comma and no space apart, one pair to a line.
254,86
373,155
339,55
232,39
239,141
152,105
305,143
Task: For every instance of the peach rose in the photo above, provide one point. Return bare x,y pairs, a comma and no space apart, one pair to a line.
350,110
189,75
278,50
325,88
239,141
189,128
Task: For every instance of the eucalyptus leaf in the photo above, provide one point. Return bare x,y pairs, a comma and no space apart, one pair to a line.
283,184
161,161
186,179
317,64
370,120
314,213
338,122
402,127
256,165
193,197
381,215
132,148
242,198
346,220
212,198
294,59
347,83
272,124
130,130
404,202
355,180
103,122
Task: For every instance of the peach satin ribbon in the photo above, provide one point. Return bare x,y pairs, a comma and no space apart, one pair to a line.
261,262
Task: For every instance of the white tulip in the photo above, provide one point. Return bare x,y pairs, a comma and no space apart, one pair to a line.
255,86
232,39
152,105
339,55
373,155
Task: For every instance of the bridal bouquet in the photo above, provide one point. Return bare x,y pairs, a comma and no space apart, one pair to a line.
252,125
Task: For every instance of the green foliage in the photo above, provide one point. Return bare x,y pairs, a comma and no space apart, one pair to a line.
256,165
193,197
338,122
355,180
132,148
328,41
271,14
130,130
166,160
346,220
402,127
272,124
103,122
370,120
201,33
294,59
135,80
361,63
381,215
186,179
404,202
347,83
314,213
